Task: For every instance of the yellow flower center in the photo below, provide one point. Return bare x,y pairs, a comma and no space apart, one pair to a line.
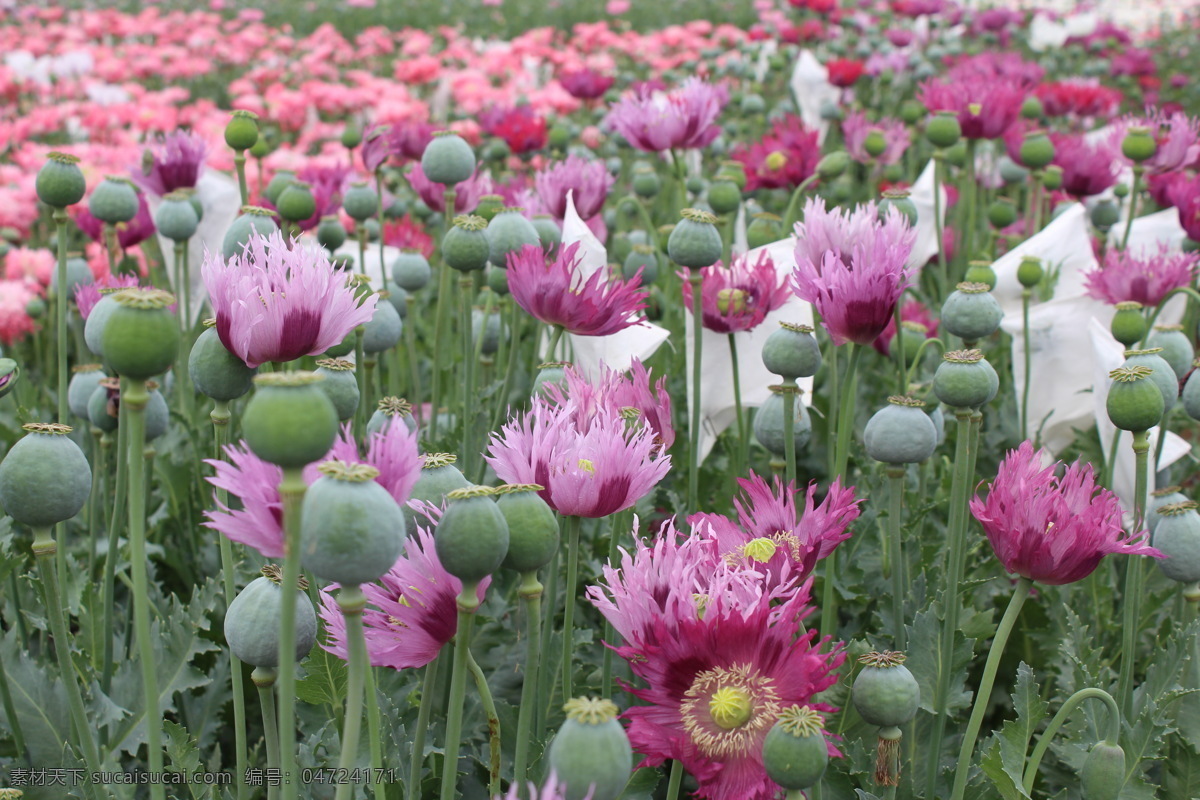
776,161
731,301
730,707
761,550
587,466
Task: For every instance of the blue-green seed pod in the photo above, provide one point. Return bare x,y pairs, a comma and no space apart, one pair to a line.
1162,375
795,753
339,385
252,220
331,233
1191,392
1134,402
351,529
439,477
216,372
84,380
792,351
104,404
1103,772
44,478
60,182
465,246
158,416
694,241
1177,535
391,411
591,754
641,257
1168,495
141,338
384,329
964,379
241,132
360,202
114,200
509,232
768,422
447,159
1128,324
289,421
1176,347
252,620
472,535
296,202
885,693
548,230
411,271
532,527
283,179
176,218
900,432
971,312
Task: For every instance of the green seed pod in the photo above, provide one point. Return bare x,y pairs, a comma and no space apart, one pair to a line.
141,338
547,229
283,179
1163,376
695,185
956,156
964,379
875,144
439,477
252,620
1002,213
943,129
1138,145
339,385
833,165
899,200
911,112
252,220
496,151
724,197
591,754
289,421
391,410
384,329
176,218
84,380
447,159
1105,214
1191,393
472,536
553,373
296,202
558,137
1037,151
351,530
465,246
1103,773
763,230
885,693
532,527
694,242
768,422
981,272
241,132
1128,324
900,432
411,271
971,312
331,234
497,279
158,416
792,351
60,182
1030,272
646,183
104,404
44,478
733,171
795,752
508,232
1031,108
1176,348
1177,535
351,135
1166,496
485,330
641,257
1134,403
360,202
1011,172
114,200
1052,178
216,372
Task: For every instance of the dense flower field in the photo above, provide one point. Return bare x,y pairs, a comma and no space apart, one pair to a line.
360,440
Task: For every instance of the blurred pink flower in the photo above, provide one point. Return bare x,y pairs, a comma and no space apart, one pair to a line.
29,264
15,322
896,137
88,294
172,162
589,180
1145,277
466,196
616,8
682,119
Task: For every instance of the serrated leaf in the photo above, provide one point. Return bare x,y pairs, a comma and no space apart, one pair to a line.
925,645
1183,773
642,784
1004,761
39,701
184,753
324,680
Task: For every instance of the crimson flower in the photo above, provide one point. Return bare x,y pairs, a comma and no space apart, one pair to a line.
783,158
738,297
1184,194
556,292
585,84
986,107
408,235
1079,97
1049,529
1145,278
520,127
844,72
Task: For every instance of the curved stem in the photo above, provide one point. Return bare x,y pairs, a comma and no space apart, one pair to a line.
351,602
417,759
134,398
530,592
220,417
572,525
983,696
60,313
792,214
1187,290
264,679
644,215
111,556
458,689
555,337
895,510
739,461
1072,702
933,341
291,492
1132,599
360,377
493,720
695,279
44,548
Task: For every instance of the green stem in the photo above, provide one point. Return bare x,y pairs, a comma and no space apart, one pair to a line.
1114,729
111,556
897,348
417,759
374,729
644,215
555,337
1133,195
943,274
467,603
361,231
1191,293
410,346
545,677
44,548
695,279
352,602
792,215
739,460
675,781
530,592
239,163
60,313
291,492
466,285
439,322
493,721
790,396
360,377
895,510
983,696
845,425
1132,600
1025,294
971,191
931,342
134,399
220,417
572,525
264,679
379,206
10,714
514,353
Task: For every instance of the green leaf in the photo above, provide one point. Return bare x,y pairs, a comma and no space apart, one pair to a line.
642,784
1183,773
924,662
324,680
184,753
1004,758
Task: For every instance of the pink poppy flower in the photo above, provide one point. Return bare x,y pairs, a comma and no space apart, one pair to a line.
556,292
175,161
15,322
739,297
682,119
896,137
589,181
614,393
1145,277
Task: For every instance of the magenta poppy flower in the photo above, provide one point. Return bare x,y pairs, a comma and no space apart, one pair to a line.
783,158
327,184
1088,168
771,537
1145,278
376,147
856,127
556,292
590,470
739,297
1049,529
1184,194
466,197
852,267
520,127
585,84
616,392
411,612
682,119
589,180
175,161
275,303
912,311
1177,136
985,107
705,636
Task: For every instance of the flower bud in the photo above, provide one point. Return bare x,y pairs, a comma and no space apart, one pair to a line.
1103,773
60,182
241,132
833,165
